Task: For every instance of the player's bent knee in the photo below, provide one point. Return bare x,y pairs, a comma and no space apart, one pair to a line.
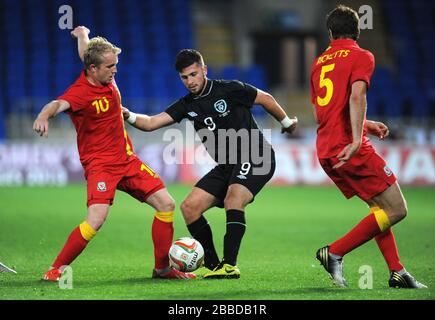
167,205
164,204
97,215
231,202
402,213
96,222
188,209
398,215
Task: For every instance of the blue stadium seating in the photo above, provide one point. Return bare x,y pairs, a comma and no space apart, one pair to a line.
254,75
41,60
372,105
411,91
230,72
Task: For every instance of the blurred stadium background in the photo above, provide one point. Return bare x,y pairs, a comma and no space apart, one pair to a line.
269,44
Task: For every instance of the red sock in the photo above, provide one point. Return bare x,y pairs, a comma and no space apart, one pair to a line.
388,247
162,233
72,248
360,234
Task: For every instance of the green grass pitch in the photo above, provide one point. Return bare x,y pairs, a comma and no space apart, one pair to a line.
286,225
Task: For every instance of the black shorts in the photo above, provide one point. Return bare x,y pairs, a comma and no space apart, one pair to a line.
252,176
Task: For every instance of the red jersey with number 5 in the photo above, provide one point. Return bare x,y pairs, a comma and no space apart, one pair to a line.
97,117
332,76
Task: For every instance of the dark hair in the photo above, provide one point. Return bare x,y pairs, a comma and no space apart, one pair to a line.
187,57
343,23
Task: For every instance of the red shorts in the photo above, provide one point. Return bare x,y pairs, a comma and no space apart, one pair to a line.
364,175
135,178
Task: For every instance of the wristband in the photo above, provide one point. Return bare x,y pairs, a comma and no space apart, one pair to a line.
286,122
132,118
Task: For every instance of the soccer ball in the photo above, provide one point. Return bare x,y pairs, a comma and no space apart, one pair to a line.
186,254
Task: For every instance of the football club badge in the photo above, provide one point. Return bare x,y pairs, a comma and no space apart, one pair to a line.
388,171
220,106
101,186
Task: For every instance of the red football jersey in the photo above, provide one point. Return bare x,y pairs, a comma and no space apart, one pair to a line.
96,113
332,76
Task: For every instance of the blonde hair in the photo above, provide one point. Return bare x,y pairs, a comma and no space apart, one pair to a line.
96,48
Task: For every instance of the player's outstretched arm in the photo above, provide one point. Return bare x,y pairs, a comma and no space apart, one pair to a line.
273,108
147,123
82,35
377,129
50,110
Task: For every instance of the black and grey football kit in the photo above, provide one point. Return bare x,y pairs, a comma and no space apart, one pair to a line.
223,120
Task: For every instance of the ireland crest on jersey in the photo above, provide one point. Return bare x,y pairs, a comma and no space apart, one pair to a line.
220,106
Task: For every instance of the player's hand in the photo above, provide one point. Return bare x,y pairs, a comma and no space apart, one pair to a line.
292,126
377,129
41,126
125,113
347,153
80,31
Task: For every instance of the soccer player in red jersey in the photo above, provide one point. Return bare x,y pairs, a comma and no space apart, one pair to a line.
340,78
93,103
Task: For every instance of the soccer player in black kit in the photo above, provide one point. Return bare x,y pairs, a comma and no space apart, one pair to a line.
221,114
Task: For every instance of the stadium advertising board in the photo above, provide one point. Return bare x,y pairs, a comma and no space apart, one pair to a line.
39,165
